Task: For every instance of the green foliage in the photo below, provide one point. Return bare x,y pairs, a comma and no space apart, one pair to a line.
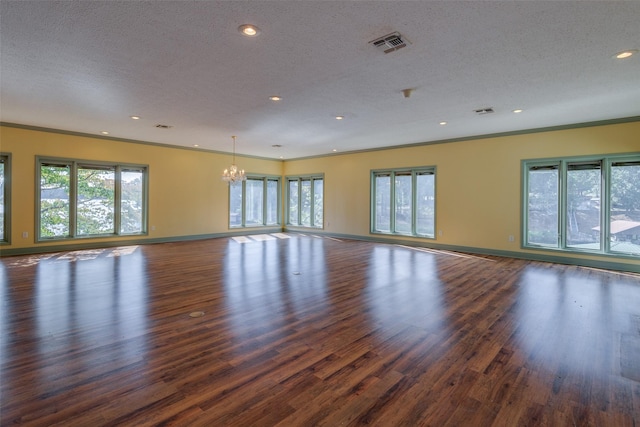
94,201
625,188
55,183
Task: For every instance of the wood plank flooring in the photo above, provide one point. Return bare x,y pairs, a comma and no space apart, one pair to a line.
300,330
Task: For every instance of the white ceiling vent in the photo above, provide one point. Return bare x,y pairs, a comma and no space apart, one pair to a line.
390,42
159,126
482,111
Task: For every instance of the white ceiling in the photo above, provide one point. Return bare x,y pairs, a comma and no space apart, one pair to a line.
86,66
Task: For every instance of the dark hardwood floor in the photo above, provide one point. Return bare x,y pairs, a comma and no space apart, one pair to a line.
300,330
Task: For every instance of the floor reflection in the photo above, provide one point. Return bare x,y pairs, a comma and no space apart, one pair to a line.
572,319
82,303
316,321
267,283
403,284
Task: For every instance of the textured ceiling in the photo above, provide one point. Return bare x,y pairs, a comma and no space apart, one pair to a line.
86,66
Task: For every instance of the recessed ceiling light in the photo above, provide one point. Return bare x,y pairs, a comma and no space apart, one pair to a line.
625,54
249,30
339,117
517,110
275,98
196,145
443,123
135,117
334,150
104,132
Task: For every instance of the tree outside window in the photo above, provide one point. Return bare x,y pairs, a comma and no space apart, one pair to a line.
305,201
403,202
254,202
78,199
583,204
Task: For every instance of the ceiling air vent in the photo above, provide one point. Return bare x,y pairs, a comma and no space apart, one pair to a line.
482,111
159,126
390,42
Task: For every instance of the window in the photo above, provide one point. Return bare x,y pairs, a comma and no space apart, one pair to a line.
305,201
87,199
403,202
542,205
254,202
95,200
5,198
293,198
583,204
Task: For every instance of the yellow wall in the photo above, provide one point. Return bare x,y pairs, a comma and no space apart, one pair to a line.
478,181
186,195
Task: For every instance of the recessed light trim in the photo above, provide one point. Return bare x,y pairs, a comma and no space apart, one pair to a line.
104,132
518,110
249,30
625,54
339,117
275,98
135,117
442,123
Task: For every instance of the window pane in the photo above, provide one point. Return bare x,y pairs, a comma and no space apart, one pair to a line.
383,203
55,182
403,203
254,193
625,208
235,204
132,203
95,201
272,202
318,202
583,205
293,202
2,216
425,204
305,202
542,206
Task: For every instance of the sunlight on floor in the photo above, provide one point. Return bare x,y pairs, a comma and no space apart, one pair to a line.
83,255
260,237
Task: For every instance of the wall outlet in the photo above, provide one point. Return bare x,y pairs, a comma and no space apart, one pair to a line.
511,238
440,233
25,234
153,228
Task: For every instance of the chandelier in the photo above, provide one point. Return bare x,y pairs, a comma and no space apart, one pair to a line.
233,175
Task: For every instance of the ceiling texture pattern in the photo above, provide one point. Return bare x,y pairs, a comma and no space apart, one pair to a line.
87,66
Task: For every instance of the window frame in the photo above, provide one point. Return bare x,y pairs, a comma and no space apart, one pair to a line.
265,205
564,165
312,178
392,173
6,160
74,165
